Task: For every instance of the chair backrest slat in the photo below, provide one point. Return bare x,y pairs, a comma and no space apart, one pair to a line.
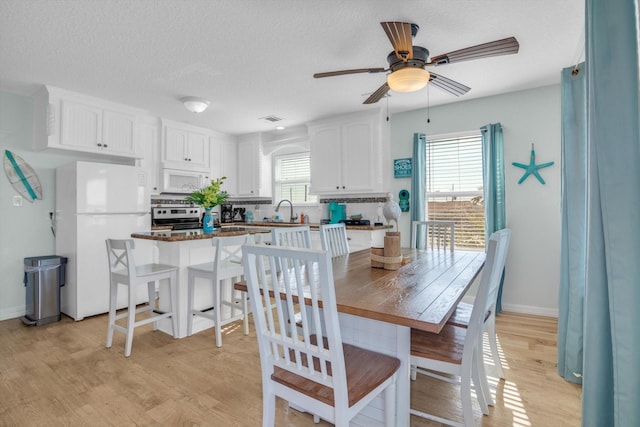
433,234
301,282
334,239
295,237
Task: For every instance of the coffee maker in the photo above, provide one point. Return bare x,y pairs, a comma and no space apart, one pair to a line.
226,213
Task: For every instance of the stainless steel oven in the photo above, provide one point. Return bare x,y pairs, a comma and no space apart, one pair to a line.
178,216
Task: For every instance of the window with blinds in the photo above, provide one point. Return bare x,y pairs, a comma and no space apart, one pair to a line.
454,187
292,178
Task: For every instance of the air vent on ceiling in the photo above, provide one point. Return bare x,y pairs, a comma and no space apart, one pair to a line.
271,119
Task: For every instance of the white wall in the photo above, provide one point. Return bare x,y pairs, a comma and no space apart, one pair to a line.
25,230
533,210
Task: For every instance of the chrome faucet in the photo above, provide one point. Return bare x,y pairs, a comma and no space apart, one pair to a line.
291,218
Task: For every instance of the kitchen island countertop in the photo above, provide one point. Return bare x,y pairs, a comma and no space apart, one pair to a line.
195,234
313,226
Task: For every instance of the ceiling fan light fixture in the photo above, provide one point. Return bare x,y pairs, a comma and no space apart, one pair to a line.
409,79
195,104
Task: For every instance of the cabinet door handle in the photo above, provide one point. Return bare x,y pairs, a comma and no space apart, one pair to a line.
99,145
337,187
105,145
343,187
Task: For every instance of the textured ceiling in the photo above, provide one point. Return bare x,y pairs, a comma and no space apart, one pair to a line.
255,58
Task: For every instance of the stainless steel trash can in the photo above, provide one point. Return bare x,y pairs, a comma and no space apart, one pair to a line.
43,277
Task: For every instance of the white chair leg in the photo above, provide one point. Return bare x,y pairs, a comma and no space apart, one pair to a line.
245,312
390,404
216,311
173,301
465,395
480,383
151,290
493,343
113,295
190,295
131,320
268,408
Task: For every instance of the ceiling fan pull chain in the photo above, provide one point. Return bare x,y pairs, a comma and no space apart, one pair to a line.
428,105
387,107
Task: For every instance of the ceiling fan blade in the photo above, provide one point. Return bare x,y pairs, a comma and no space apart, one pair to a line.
506,46
448,85
377,95
399,34
354,71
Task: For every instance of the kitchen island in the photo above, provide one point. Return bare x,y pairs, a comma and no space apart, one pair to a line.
183,248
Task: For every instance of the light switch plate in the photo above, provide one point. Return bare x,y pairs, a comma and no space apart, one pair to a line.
17,200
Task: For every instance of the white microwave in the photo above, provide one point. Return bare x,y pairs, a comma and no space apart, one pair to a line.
182,181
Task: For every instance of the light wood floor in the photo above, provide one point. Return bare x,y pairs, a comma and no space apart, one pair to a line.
62,375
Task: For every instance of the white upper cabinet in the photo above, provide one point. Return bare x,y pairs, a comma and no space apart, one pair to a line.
72,121
149,146
185,147
229,167
254,168
346,154
224,162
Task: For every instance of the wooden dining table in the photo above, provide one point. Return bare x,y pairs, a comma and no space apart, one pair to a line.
377,308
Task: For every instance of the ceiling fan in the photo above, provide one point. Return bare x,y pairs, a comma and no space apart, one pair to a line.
407,62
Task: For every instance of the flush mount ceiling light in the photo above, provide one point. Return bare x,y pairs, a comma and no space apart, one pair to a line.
195,104
409,79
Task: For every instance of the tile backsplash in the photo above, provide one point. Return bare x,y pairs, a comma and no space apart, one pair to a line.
369,207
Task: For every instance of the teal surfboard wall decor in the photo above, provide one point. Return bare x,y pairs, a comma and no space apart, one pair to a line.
22,176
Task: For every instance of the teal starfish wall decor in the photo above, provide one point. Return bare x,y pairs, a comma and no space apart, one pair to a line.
532,168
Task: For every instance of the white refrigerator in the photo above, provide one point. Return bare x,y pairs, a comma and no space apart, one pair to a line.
95,202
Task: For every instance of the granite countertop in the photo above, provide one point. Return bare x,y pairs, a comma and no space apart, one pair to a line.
313,226
194,234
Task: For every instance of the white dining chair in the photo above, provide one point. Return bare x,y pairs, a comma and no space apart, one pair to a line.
461,316
226,266
434,234
294,237
124,271
333,238
309,366
457,352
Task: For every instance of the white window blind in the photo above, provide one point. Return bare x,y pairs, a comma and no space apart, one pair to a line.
293,178
454,187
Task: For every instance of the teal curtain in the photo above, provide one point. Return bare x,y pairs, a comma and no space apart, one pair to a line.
611,383
573,255
418,182
493,184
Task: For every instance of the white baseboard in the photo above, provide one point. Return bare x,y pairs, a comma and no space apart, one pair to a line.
11,313
528,309
522,309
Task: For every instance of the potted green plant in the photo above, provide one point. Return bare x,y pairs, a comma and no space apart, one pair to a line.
209,197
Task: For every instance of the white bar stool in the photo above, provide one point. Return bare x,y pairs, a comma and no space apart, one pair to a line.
123,270
227,264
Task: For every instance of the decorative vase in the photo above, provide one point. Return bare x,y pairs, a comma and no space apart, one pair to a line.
207,221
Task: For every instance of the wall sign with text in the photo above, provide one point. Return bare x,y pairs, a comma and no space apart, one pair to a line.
402,168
